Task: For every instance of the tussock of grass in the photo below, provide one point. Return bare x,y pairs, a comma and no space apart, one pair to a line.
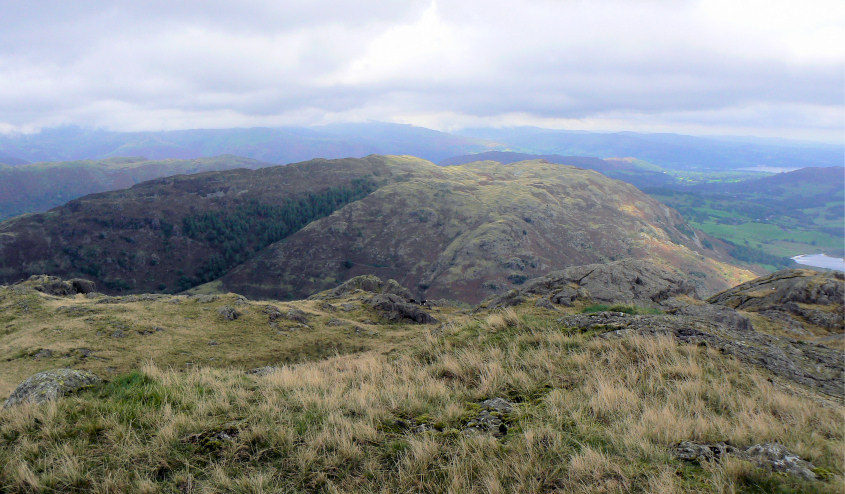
591,415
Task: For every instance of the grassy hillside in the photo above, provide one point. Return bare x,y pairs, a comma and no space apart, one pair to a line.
362,405
38,187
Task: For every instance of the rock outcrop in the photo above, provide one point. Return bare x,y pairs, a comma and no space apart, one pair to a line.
621,282
397,309
53,285
367,283
49,385
769,455
802,296
792,296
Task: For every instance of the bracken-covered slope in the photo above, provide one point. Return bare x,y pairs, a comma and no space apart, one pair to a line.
467,232
172,233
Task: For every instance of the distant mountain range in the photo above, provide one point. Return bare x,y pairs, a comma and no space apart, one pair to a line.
292,144
272,145
672,151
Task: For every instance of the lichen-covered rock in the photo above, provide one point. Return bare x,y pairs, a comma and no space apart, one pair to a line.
491,418
690,451
768,455
49,385
394,308
779,459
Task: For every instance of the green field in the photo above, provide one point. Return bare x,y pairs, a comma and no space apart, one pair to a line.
784,222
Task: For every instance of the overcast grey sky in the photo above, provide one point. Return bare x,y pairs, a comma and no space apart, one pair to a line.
765,68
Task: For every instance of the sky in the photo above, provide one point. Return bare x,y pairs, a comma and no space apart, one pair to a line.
721,67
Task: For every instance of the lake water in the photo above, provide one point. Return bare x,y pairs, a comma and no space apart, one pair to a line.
821,261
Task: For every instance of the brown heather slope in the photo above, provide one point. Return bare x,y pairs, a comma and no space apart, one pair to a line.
137,240
467,232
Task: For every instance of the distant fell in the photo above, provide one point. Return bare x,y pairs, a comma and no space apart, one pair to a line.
37,187
172,233
639,173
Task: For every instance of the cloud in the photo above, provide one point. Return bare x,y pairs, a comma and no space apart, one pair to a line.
773,68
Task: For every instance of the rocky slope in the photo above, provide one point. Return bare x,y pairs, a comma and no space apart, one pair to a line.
773,321
797,302
465,232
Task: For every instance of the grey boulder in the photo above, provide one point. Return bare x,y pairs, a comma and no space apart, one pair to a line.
49,385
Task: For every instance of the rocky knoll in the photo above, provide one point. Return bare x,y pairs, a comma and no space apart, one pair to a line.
724,321
392,300
622,282
800,300
53,285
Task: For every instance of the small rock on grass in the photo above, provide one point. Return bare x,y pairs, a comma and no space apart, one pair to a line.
49,385
228,313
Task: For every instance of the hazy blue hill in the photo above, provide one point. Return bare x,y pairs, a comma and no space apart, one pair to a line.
8,159
667,150
274,145
386,138
37,187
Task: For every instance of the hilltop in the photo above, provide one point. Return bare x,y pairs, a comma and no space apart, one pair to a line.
628,383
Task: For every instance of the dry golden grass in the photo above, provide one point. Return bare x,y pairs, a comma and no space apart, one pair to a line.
591,415
192,334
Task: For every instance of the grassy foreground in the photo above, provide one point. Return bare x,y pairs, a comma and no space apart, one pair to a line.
591,415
